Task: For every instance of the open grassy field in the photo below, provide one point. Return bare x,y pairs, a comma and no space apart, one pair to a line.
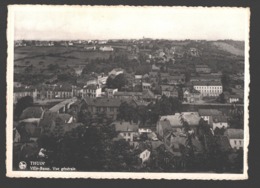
43,56
231,48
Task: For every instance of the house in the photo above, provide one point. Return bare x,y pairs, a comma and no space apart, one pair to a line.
138,79
176,79
207,114
63,91
145,155
154,77
175,122
144,130
206,78
92,91
148,96
169,91
90,48
202,69
236,138
110,92
233,98
102,79
106,49
116,72
127,95
126,130
146,86
108,106
212,89
191,95
20,92
219,121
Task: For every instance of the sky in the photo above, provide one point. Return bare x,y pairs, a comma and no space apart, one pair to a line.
103,22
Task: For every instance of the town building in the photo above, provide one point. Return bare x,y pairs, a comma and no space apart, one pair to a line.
127,130
20,92
92,91
191,95
219,121
108,106
146,86
106,49
169,91
236,138
211,89
145,155
110,92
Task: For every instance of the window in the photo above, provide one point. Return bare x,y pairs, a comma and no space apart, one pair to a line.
240,142
235,142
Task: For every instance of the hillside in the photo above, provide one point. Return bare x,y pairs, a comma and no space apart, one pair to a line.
233,47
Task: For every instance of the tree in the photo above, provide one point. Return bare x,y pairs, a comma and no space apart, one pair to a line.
22,104
236,118
127,112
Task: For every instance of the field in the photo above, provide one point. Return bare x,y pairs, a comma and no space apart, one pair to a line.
232,48
25,56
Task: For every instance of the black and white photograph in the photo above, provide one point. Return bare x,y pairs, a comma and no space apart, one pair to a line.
127,92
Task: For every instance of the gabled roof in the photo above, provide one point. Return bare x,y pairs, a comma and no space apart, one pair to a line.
125,126
234,133
148,94
219,118
207,83
93,86
106,102
122,93
209,112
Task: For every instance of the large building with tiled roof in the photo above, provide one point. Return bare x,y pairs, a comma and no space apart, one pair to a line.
213,88
108,106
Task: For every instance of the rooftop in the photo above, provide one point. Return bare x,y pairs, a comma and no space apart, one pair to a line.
125,126
209,112
106,102
234,133
219,118
207,83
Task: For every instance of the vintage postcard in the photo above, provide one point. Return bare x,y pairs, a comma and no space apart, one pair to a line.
127,92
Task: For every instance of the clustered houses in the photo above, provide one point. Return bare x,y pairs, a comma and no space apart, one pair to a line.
191,95
165,77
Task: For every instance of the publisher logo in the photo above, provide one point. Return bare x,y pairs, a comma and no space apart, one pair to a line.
22,165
